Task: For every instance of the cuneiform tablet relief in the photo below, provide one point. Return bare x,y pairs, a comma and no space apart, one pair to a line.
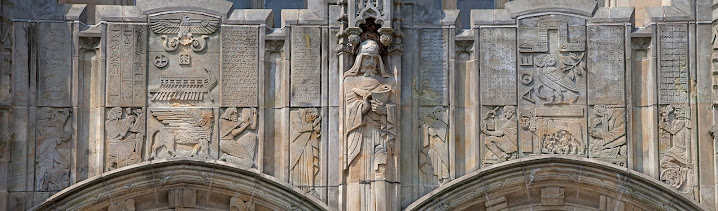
306,66
240,58
673,64
607,134
499,129
498,66
674,146
238,138
54,64
433,67
180,132
552,65
125,136
607,61
126,64
553,130
53,149
304,149
434,148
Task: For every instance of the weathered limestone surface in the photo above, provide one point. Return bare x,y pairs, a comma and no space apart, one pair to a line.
358,105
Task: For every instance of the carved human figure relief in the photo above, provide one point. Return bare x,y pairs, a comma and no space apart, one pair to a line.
607,132
674,145
304,148
238,141
125,132
434,151
180,133
499,131
52,161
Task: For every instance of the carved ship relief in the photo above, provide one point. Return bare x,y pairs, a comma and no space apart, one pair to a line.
185,88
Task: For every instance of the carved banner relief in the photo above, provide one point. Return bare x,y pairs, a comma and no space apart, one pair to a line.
126,64
184,50
552,85
674,120
240,59
306,66
54,65
434,67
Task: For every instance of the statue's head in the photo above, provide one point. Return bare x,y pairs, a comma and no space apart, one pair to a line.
230,114
310,115
368,61
115,113
509,112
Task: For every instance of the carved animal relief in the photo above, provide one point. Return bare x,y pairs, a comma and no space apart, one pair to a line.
238,139
125,136
176,132
546,130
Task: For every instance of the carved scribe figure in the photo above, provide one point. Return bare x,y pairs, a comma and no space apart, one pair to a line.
52,164
125,137
675,166
304,148
608,129
501,141
435,150
243,150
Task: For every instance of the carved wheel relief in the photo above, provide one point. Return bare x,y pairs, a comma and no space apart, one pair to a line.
676,161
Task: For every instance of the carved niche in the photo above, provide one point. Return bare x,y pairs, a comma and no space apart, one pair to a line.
180,132
238,138
552,85
126,64
125,136
499,129
53,149
434,149
674,146
186,53
304,149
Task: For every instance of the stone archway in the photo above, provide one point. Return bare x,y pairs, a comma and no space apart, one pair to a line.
187,183
555,183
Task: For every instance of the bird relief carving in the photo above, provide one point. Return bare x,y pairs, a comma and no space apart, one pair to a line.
185,29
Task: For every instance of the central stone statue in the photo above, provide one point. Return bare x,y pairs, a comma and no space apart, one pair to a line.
367,108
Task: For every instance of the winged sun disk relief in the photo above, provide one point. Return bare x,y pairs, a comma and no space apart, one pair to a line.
185,28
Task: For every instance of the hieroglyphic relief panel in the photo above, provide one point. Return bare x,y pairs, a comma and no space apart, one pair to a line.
240,60
499,129
305,76
498,66
434,67
124,136
53,148
185,52
434,148
304,149
606,60
238,136
126,64
552,130
181,132
54,64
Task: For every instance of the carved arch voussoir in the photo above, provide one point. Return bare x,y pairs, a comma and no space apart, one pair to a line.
556,181
188,183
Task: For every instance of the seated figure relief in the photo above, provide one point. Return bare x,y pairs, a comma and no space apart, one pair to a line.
125,137
238,143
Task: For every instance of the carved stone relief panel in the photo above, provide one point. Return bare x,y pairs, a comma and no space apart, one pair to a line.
674,147
552,64
673,64
552,130
433,67
182,198
126,64
124,136
552,196
306,64
53,148
498,66
181,132
126,205
54,64
607,134
304,149
238,136
499,129
606,59
184,48
240,63
434,168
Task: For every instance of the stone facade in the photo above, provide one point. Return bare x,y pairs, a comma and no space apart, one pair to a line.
358,105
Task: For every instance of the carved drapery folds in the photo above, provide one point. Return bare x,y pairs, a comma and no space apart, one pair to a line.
304,156
53,150
434,148
674,145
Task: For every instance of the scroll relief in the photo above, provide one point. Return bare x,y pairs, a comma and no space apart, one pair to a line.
434,152
238,140
674,147
53,150
125,135
180,133
185,67
304,149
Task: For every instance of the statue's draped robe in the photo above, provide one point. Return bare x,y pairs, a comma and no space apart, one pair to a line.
364,127
304,152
